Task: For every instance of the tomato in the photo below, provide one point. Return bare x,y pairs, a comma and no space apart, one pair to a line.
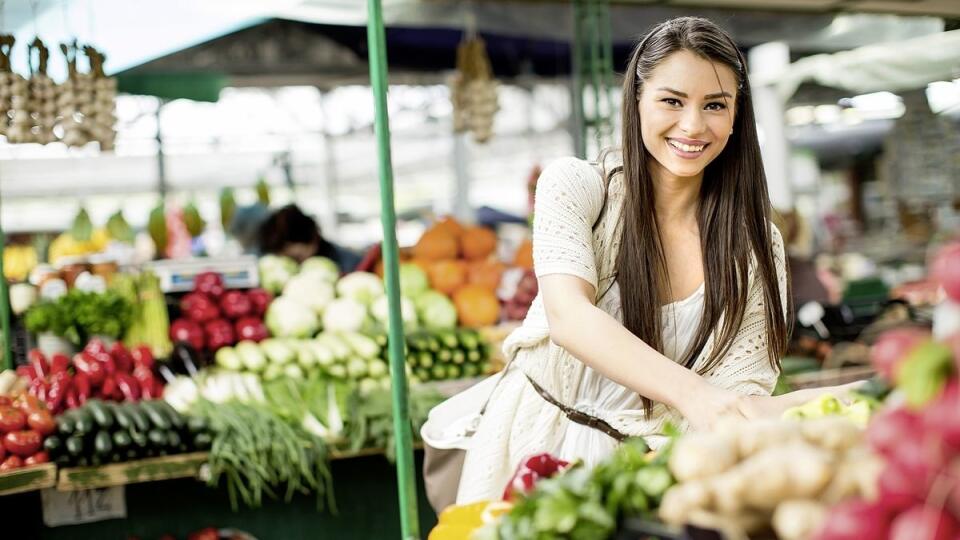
29,403
41,422
36,459
11,463
22,443
11,419
5,401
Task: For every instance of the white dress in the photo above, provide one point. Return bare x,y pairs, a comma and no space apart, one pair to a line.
572,236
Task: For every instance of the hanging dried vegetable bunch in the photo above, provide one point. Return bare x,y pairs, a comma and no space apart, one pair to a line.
21,110
473,91
100,116
7,77
72,99
43,94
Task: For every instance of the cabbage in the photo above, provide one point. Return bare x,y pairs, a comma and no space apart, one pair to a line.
322,266
413,280
436,311
344,314
310,289
363,287
287,318
275,271
381,312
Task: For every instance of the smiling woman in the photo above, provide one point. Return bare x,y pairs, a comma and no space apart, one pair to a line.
663,285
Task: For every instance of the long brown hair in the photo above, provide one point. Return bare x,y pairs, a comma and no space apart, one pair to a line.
733,205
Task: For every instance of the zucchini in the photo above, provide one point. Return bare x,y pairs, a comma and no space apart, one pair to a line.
202,441
140,420
84,421
101,413
102,444
158,439
66,423
175,418
74,445
197,424
173,439
121,439
157,416
53,445
121,415
139,438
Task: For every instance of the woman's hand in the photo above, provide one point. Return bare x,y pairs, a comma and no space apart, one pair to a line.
704,408
774,406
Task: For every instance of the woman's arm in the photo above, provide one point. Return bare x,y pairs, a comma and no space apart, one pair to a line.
601,342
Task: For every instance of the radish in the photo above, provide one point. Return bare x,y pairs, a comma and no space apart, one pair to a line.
891,426
946,270
898,490
892,347
942,416
923,523
855,520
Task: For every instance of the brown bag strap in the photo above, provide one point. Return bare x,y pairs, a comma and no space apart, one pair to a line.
579,417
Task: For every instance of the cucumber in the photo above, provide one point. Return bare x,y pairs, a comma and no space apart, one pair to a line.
53,445
202,441
140,420
66,423
122,439
175,418
84,421
158,438
74,445
158,417
139,438
102,444
197,424
120,414
102,414
173,439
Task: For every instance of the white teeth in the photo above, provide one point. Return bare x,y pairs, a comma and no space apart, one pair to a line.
685,147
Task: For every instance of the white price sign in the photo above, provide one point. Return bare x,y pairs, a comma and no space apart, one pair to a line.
74,507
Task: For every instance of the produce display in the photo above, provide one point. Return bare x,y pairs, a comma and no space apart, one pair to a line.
110,373
858,409
447,354
78,316
24,425
150,323
106,432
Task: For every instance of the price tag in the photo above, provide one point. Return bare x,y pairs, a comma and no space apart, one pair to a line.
74,507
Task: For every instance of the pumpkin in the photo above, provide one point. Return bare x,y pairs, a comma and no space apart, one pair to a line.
451,225
524,255
478,242
486,273
447,276
476,306
435,245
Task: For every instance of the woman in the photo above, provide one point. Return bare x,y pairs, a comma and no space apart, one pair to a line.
290,232
663,286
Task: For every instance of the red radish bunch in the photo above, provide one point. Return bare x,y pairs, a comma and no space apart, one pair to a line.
113,374
213,317
24,424
530,471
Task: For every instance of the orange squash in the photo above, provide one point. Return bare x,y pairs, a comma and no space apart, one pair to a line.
478,243
476,306
435,245
447,276
486,273
524,255
449,224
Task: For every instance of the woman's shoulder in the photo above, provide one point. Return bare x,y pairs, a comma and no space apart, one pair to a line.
574,175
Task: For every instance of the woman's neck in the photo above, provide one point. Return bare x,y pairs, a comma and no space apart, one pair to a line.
677,198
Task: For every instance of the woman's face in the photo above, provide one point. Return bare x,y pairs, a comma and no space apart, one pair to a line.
686,113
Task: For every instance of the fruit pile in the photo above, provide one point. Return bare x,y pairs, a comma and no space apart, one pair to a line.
213,317
24,423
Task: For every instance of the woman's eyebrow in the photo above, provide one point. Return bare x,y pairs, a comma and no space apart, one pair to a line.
684,95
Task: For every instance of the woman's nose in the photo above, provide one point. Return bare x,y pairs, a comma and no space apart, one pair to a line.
691,122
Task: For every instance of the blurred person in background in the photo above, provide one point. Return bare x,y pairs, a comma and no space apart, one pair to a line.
290,232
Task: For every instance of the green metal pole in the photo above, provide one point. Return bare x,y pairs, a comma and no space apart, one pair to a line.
577,68
376,45
7,350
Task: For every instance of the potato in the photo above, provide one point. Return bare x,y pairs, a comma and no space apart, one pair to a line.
798,470
701,455
798,519
763,434
682,499
728,490
832,432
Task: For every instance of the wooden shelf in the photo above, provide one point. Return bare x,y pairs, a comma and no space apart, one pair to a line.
28,479
131,472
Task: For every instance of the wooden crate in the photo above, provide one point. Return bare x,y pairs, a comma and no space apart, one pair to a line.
28,479
131,472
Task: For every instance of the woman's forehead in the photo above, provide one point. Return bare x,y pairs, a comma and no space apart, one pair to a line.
693,75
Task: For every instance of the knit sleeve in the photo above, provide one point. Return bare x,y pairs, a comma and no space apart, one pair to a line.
568,201
746,368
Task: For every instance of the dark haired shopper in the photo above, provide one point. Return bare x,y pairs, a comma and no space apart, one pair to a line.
288,231
663,285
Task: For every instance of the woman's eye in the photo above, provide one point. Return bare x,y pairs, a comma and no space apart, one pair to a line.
672,102
716,106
